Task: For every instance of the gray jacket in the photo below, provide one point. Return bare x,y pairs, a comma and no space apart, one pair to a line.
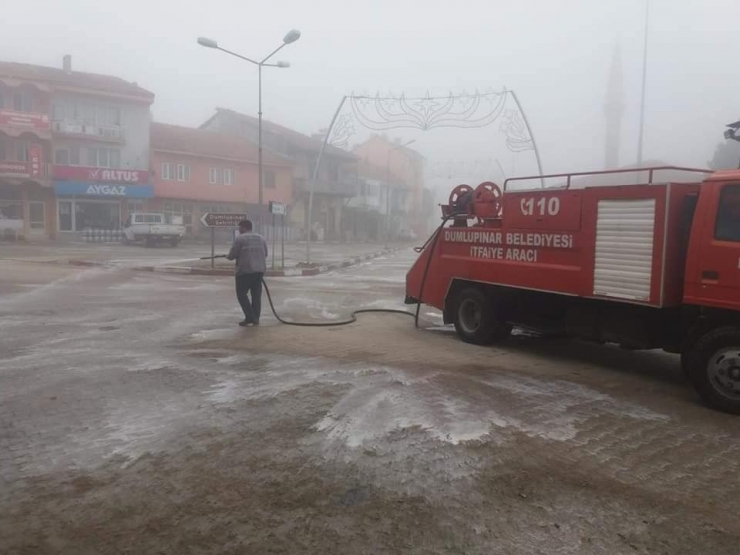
250,252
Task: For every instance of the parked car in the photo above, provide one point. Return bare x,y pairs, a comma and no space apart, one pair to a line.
406,235
151,229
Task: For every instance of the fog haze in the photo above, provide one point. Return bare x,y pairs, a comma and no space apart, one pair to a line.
555,55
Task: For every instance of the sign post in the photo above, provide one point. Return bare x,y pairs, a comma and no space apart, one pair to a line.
278,209
214,220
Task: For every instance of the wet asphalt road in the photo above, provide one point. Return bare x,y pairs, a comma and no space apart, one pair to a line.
136,417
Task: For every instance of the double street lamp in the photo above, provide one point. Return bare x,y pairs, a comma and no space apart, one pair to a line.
289,38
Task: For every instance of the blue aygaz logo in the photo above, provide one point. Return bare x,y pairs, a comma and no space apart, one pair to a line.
87,189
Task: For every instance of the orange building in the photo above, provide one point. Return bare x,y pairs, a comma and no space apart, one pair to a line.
196,171
408,165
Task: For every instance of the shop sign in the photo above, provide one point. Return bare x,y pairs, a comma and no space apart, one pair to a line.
34,160
82,173
81,188
16,168
28,120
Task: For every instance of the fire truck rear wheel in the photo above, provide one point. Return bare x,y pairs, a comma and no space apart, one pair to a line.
475,318
714,368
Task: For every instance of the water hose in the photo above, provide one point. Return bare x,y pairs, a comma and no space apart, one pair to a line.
353,316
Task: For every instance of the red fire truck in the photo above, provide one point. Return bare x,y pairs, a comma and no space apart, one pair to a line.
648,266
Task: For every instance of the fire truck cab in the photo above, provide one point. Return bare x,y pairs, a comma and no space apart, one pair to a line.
655,265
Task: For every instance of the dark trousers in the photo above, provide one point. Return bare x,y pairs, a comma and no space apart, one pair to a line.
250,284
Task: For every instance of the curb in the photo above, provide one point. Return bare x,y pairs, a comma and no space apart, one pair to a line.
290,272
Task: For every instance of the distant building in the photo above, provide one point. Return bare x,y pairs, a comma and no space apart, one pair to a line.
74,149
408,165
196,171
337,179
372,212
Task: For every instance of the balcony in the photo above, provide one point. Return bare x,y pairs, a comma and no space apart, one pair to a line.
79,130
23,170
18,122
343,188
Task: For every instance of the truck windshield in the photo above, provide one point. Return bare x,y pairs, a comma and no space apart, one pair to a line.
728,214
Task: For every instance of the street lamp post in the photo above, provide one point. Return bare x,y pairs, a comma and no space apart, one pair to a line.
388,188
289,38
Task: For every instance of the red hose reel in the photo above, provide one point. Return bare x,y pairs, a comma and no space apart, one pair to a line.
483,202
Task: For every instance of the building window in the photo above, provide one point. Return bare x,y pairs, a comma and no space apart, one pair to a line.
183,172
108,115
228,178
21,151
22,102
57,111
61,157
214,176
168,172
269,178
104,157
67,156
88,114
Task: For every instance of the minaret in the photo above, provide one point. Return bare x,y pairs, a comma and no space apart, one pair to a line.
614,110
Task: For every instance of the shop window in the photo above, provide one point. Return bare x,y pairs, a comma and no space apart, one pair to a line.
269,178
11,210
65,215
37,215
135,206
183,172
96,215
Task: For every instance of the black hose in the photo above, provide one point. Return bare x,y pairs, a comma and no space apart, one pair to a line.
353,316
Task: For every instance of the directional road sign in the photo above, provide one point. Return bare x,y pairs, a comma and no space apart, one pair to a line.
277,208
212,219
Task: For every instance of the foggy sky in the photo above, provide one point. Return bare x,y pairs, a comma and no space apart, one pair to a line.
555,54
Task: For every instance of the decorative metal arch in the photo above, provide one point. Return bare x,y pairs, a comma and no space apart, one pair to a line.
463,111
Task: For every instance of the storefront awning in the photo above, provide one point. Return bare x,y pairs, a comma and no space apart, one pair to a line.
106,190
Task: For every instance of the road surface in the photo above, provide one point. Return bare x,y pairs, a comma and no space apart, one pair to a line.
137,417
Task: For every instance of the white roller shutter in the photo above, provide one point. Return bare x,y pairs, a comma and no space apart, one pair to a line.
624,248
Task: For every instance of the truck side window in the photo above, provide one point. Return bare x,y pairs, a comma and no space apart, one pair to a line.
728,214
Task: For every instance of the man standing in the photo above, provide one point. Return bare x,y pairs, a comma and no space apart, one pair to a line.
250,252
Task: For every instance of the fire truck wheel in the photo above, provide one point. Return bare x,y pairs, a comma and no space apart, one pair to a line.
475,319
714,368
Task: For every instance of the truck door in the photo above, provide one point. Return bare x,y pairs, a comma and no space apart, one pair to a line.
718,266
